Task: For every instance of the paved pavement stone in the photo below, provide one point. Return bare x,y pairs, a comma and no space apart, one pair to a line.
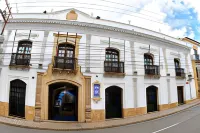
94,125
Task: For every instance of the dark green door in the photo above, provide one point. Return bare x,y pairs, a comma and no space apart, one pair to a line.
180,95
113,102
17,98
151,93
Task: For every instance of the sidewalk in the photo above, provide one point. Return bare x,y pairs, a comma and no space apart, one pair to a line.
95,125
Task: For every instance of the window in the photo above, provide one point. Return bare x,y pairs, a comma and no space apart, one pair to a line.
148,59
196,54
24,47
195,51
66,50
65,57
23,55
197,73
112,55
177,63
112,62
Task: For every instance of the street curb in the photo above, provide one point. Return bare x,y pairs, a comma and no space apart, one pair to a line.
98,127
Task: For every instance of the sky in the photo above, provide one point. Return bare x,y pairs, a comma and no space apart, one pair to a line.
176,18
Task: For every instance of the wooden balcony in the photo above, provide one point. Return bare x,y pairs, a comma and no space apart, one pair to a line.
20,60
180,72
65,63
114,67
151,70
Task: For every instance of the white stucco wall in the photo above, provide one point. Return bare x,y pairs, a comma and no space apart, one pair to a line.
29,77
132,56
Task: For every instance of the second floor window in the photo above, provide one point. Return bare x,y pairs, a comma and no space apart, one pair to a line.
24,47
66,50
195,51
148,59
177,63
112,54
23,54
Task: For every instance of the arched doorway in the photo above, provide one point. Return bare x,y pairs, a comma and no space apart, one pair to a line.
151,95
17,98
113,102
63,102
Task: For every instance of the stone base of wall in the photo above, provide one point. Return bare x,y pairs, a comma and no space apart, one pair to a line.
129,112
141,110
3,109
98,115
163,107
189,101
167,106
29,112
173,105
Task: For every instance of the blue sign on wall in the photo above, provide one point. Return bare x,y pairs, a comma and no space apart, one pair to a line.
96,90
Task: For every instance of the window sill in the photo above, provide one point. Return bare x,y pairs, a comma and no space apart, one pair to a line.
180,77
19,67
64,70
114,74
152,76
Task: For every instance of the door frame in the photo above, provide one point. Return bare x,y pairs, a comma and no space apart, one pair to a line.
9,90
182,87
45,99
53,99
157,97
122,99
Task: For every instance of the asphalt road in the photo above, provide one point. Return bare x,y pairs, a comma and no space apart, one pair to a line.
187,121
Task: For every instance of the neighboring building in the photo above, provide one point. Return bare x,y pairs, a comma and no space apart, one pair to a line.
195,61
89,69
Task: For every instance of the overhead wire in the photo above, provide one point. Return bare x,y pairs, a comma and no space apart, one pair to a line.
116,3
88,4
86,7
102,10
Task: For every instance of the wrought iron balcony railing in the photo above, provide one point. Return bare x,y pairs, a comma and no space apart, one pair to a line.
65,63
20,59
151,70
180,72
114,66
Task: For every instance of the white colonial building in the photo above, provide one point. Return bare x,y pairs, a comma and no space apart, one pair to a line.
69,66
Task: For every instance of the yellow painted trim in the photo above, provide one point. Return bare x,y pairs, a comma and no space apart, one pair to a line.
29,113
65,35
4,108
189,101
62,39
98,115
195,47
187,40
167,106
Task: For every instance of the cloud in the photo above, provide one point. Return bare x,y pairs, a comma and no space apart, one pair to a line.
166,16
193,4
